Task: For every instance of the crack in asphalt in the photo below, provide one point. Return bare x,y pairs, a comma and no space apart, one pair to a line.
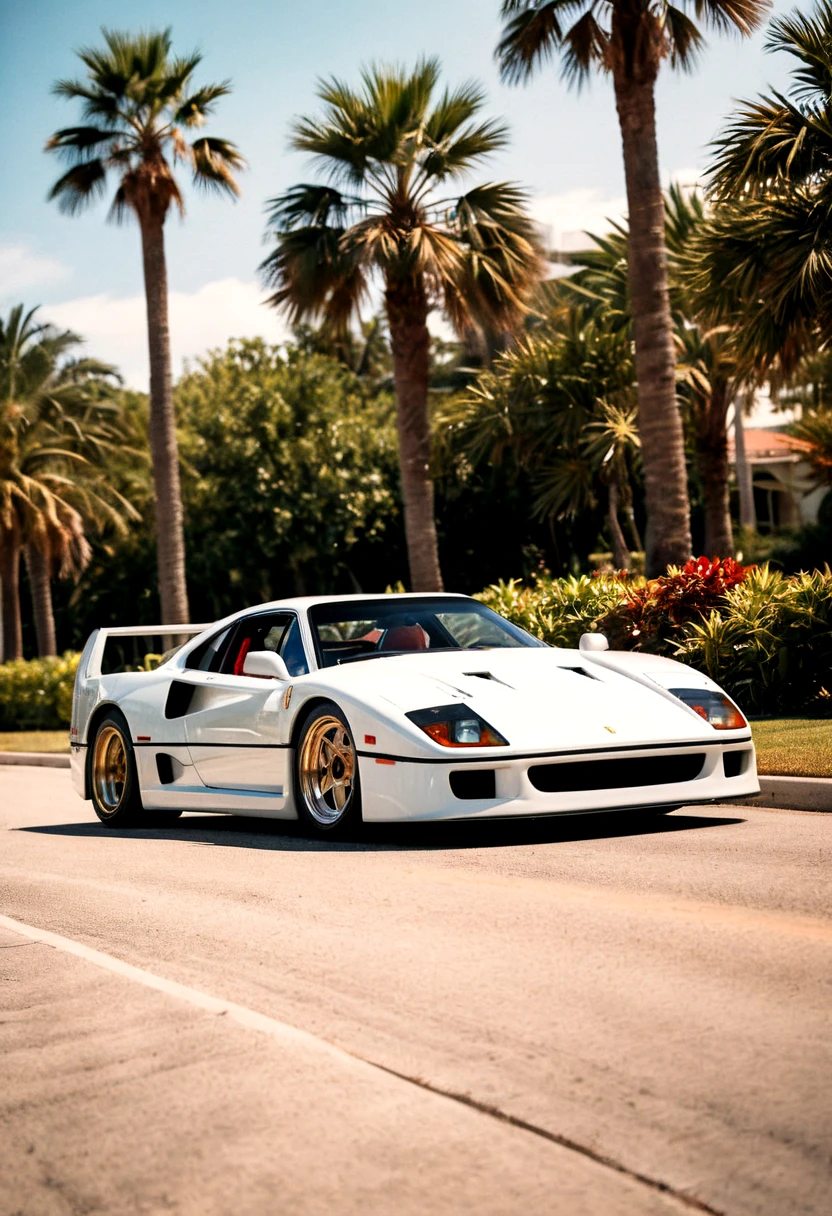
485,1108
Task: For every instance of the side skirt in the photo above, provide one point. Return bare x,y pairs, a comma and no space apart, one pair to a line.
218,802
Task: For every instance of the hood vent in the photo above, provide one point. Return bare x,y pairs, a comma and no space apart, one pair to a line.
487,675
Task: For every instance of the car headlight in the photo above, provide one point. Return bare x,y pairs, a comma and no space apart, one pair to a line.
456,726
714,707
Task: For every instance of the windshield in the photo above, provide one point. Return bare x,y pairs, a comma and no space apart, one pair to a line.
364,629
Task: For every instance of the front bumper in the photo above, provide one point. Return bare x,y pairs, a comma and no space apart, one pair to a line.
395,790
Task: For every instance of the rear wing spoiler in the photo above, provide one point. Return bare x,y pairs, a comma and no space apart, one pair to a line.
92,658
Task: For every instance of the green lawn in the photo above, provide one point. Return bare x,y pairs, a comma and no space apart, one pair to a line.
34,740
792,747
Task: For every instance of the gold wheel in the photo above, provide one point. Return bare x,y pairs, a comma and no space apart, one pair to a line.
109,769
327,770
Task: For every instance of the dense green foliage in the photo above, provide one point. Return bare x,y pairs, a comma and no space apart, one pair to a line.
289,470
37,694
288,483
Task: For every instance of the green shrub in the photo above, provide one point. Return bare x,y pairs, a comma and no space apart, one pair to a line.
558,610
771,645
36,694
764,636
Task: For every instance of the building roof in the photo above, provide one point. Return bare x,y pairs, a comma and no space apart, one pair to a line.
762,445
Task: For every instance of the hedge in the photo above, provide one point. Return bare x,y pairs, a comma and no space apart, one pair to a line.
37,694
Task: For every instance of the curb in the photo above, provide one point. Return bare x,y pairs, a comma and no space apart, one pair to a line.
796,793
41,759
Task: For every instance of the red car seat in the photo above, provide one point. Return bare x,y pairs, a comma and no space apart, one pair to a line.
239,662
404,637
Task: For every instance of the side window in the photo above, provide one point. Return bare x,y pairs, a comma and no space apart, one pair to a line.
292,652
265,631
206,657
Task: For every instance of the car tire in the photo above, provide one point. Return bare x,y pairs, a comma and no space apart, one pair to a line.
114,782
327,788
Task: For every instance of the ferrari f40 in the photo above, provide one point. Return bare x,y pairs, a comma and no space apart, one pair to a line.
395,708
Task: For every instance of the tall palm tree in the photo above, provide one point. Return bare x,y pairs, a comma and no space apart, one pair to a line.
710,373
57,431
628,39
389,152
141,106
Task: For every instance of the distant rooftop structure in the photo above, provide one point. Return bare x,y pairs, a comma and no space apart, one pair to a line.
785,494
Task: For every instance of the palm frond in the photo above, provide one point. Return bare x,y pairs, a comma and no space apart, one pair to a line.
584,44
309,204
456,156
452,111
684,38
194,110
79,186
76,144
725,16
531,35
213,162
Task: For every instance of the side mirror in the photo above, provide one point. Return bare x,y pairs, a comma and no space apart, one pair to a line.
267,664
593,641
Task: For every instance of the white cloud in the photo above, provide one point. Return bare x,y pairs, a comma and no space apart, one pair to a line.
21,270
688,176
115,329
567,216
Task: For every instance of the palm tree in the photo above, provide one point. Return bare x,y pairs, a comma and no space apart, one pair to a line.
770,243
628,39
141,104
562,403
709,372
811,436
57,431
388,152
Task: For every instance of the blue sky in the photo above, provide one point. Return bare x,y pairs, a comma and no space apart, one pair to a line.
86,273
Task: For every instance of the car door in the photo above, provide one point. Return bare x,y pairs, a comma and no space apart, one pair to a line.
233,725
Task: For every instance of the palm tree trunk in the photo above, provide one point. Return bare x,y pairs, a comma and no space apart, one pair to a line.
10,578
712,466
407,314
745,485
38,570
712,461
620,552
170,539
659,419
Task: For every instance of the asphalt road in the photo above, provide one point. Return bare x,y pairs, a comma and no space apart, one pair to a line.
600,1015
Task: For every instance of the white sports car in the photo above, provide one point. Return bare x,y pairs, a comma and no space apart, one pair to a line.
396,708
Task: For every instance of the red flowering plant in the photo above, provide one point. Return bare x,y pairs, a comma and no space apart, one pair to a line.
652,616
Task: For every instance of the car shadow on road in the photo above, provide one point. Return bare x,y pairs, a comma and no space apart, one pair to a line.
236,831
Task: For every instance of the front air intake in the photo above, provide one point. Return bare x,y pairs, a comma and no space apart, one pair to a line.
628,773
474,783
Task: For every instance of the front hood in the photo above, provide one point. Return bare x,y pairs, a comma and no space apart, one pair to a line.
538,699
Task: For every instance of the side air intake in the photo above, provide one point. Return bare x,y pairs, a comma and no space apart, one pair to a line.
164,767
179,699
